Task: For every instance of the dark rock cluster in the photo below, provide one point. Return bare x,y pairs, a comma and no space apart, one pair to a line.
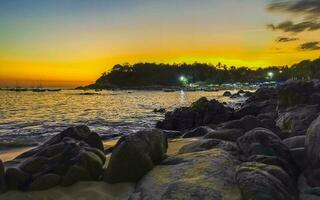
274,137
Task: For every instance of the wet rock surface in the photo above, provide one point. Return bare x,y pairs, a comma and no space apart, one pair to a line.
136,154
50,164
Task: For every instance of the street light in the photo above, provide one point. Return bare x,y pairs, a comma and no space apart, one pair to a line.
270,74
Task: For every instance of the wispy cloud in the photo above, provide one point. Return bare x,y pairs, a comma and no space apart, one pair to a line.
286,39
307,8
289,26
307,12
310,46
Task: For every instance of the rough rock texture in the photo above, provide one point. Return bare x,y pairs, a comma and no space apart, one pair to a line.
35,169
296,120
207,175
294,93
203,145
136,154
259,181
295,142
246,123
264,100
201,112
312,144
225,134
261,141
198,132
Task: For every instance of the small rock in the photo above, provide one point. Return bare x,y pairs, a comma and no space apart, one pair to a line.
227,94
295,142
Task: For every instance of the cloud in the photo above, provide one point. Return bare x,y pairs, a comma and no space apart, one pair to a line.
306,8
289,26
286,39
310,46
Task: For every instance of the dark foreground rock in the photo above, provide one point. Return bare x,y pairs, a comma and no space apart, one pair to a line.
312,144
200,175
200,113
198,132
2,178
259,181
296,120
136,154
53,162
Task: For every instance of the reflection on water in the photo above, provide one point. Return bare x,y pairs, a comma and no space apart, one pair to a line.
32,117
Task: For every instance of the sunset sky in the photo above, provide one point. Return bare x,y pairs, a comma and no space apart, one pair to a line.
71,42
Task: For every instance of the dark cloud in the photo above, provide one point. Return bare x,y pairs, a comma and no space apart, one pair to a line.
289,26
306,8
310,46
286,39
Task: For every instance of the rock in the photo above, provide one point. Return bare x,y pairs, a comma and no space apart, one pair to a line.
75,174
200,113
256,108
265,182
270,115
225,134
246,123
311,194
236,95
261,141
312,144
295,121
200,175
3,186
16,179
136,154
299,157
197,132
172,134
80,133
57,156
227,94
294,93
312,177
315,98
45,182
159,110
203,145
264,100
295,142
277,161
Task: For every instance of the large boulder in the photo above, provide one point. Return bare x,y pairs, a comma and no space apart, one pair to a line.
258,181
261,141
198,132
136,154
202,145
45,166
264,100
200,113
312,144
295,120
200,175
294,93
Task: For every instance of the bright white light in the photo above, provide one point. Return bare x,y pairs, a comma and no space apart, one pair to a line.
280,71
182,78
270,74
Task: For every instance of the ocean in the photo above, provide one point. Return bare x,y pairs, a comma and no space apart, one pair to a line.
29,118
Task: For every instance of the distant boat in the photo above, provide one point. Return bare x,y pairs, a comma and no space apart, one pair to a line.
38,90
53,90
168,90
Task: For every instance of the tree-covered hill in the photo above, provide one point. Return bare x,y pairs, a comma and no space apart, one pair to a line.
158,74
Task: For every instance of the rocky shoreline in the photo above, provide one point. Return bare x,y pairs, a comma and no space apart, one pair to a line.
268,149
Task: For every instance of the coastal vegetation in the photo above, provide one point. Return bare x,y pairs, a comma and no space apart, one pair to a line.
166,75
